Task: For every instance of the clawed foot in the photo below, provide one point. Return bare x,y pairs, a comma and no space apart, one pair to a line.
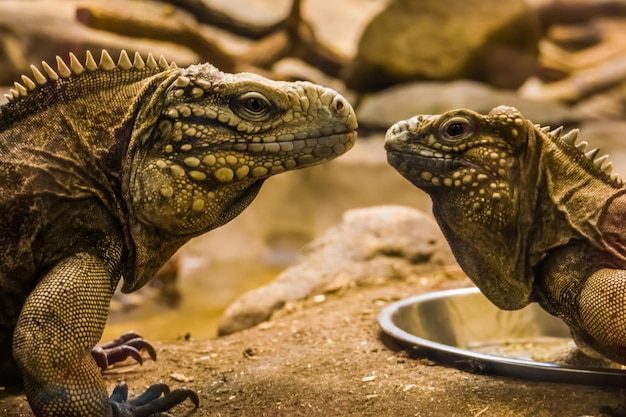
127,345
155,402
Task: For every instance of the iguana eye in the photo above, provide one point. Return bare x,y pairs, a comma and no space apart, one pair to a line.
457,128
252,106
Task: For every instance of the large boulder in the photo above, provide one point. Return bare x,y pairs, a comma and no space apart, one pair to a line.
447,39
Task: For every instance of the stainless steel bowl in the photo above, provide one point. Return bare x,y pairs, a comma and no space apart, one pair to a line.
457,327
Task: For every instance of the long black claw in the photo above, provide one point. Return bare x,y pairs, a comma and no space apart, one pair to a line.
155,401
167,402
153,393
120,393
127,345
131,339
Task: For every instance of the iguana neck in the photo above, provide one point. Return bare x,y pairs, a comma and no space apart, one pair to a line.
73,85
98,104
572,194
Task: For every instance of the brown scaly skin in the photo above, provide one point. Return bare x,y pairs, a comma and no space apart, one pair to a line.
105,170
530,215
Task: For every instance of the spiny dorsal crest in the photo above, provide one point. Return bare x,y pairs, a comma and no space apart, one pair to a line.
602,162
75,68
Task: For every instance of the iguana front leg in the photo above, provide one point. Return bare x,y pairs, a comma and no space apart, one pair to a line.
602,312
591,301
61,321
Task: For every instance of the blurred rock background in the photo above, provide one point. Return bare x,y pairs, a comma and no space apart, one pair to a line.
561,62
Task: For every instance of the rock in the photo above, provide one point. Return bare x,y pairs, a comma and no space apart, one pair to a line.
425,40
370,246
380,110
249,18
339,24
597,79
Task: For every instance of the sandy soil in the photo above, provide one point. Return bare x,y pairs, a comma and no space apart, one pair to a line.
327,358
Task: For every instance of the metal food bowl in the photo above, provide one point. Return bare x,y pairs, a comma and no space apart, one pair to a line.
462,329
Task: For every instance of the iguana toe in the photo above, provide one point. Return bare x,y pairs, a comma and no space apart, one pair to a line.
129,344
155,401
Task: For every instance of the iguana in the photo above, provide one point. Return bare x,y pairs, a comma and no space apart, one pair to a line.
106,169
530,215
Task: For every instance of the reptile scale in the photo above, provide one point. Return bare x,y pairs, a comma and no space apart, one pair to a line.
106,169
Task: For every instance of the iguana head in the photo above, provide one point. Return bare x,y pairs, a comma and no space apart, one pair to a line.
218,136
492,179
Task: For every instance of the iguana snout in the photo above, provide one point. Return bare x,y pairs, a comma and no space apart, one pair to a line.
457,149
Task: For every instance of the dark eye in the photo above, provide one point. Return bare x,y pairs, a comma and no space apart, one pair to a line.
457,128
252,106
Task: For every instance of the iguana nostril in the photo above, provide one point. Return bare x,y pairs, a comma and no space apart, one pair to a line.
395,131
339,104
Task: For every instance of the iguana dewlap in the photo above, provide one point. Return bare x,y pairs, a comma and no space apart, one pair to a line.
106,169
530,215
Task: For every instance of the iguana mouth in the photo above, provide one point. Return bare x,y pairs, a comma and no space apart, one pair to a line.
426,158
421,165
402,139
295,152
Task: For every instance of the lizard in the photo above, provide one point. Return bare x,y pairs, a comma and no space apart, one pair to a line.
106,169
531,215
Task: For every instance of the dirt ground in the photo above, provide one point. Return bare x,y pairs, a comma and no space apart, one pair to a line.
326,357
